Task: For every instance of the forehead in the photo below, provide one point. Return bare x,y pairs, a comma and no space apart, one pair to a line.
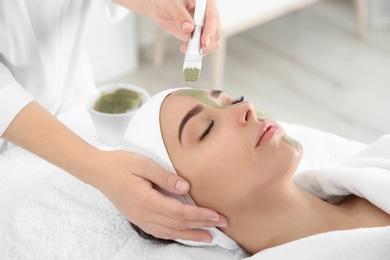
187,98
212,97
199,93
175,106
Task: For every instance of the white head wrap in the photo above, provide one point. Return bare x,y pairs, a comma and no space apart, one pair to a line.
143,136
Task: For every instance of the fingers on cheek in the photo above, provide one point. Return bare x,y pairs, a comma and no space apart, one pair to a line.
164,233
197,235
193,235
157,230
174,229
179,221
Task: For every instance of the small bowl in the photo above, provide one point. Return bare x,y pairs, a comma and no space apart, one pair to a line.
111,128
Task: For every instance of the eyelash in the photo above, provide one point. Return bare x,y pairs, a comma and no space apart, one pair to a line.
207,130
238,100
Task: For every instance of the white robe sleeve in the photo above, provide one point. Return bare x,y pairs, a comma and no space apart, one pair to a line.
114,11
13,98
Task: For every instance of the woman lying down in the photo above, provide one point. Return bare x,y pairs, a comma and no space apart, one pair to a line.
241,163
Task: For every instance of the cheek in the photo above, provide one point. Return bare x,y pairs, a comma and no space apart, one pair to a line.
227,157
214,172
204,179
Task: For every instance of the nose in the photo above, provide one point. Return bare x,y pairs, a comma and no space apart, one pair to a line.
244,112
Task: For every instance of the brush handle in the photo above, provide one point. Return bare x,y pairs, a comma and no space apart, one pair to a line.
200,9
194,47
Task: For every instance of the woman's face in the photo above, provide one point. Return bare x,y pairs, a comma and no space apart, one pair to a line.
225,148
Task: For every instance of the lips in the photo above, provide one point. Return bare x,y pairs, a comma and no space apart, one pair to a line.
267,130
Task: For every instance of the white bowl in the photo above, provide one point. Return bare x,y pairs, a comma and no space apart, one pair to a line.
111,128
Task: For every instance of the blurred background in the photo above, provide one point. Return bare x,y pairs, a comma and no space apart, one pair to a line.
323,63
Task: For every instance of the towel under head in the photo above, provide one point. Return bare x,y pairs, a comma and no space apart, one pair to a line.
143,136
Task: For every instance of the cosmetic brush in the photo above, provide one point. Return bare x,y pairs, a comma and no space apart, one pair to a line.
193,58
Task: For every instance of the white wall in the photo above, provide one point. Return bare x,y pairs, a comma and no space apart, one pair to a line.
112,46
146,31
379,13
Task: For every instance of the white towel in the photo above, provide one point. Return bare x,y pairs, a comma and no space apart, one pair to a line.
366,175
58,217
143,136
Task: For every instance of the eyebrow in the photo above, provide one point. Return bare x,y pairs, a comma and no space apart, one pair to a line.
194,111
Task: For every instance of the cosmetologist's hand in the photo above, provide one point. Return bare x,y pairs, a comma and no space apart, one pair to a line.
211,27
129,186
125,178
175,17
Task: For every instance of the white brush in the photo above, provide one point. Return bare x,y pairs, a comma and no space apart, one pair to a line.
193,58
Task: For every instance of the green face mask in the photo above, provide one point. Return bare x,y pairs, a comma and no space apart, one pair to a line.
294,143
201,95
261,115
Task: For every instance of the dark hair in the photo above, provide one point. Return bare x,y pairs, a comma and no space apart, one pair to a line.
150,237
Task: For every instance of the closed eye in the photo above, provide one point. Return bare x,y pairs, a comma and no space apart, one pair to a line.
238,100
207,131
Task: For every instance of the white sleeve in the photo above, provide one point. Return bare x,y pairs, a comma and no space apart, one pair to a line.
13,98
114,11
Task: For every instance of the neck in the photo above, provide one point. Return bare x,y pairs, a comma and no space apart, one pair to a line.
265,222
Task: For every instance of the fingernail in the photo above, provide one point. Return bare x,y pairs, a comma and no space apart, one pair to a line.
208,42
214,218
181,186
185,25
221,224
206,240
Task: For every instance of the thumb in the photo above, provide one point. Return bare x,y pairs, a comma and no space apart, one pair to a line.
183,18
172,183
164,179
